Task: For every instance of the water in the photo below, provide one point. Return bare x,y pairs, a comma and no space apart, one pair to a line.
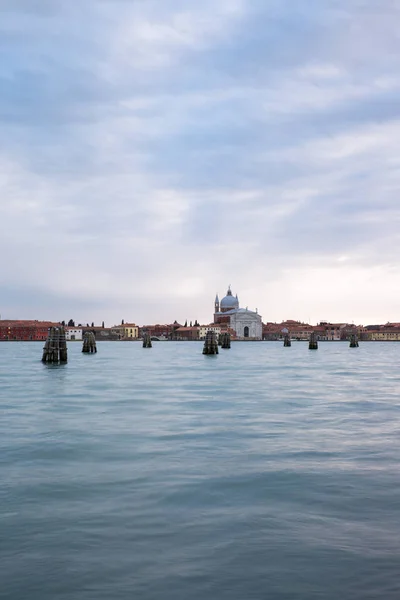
262,473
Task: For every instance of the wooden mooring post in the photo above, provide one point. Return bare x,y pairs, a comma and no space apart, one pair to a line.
353,341
89,343
210,343
287,342
313,343
147,340
225,340
55,348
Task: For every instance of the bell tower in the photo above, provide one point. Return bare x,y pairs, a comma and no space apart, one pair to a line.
216,304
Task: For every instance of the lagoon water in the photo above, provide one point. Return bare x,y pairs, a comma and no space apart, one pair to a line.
161,474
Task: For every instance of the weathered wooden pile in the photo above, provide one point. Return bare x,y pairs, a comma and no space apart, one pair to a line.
210,343
89,343
147,340
353,341
55,348
313,342
287,342
225,340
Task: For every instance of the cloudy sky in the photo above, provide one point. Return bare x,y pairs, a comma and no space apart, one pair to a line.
154,151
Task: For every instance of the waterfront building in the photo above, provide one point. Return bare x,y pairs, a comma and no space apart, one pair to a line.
217,328
203,331
295,329
104,334
187,333
350,329
129,331
382,333
246,324
324,331
273,331
160,330
25,331
73,334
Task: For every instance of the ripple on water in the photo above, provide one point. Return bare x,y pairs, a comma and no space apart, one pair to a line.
264,472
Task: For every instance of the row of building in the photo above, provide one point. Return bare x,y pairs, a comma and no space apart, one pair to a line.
18,330
390,332
240,323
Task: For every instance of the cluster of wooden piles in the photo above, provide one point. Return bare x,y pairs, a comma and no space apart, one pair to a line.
353,341
89,343
147,340
224,340
313,342
55,348
210,343
287,342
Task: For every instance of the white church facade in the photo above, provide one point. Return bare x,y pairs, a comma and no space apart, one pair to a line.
246,323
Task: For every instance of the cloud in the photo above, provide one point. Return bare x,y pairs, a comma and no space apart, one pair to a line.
155,38
152,152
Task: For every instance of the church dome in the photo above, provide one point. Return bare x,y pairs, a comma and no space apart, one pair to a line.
229,302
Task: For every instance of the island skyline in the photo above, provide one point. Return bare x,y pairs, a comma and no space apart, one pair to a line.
167,314
34,330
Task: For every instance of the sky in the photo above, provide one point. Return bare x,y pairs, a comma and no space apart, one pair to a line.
152,152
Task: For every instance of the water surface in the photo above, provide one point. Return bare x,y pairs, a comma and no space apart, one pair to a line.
157,474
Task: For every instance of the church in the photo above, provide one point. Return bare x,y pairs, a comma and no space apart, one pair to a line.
246,323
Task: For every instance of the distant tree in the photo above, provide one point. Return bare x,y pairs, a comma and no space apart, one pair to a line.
92,323
196,323
71,323
185,325
63,323
102,324
87,324
122,322
191,324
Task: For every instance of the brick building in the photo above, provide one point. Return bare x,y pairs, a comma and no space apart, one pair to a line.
159,330
188,333
296,330
25,331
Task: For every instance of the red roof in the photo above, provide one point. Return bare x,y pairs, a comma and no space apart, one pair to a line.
27,323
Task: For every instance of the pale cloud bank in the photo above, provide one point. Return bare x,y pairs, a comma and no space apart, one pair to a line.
153,152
